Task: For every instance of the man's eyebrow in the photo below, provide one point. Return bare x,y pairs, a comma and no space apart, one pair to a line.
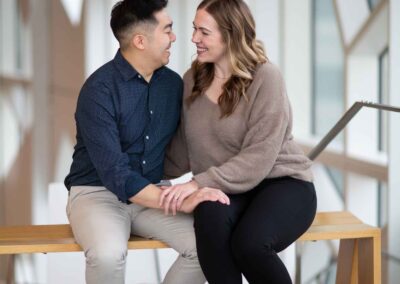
168,26
201,28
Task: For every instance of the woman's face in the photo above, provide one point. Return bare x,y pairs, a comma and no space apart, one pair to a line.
208,38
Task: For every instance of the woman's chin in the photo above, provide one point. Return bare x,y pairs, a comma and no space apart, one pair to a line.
202,59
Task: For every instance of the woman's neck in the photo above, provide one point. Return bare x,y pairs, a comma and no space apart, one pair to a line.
222,70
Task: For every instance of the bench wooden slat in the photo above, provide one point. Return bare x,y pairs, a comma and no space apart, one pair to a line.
349,231
335,218
59,238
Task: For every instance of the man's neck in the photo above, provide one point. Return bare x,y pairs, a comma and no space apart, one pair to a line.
140,64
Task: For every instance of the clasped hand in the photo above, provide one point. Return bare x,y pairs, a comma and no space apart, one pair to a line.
185,197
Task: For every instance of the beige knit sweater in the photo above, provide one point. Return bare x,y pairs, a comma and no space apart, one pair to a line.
236,153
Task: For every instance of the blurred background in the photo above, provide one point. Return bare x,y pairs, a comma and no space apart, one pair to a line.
331,53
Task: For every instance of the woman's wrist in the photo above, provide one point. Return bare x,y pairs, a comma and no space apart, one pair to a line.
194,184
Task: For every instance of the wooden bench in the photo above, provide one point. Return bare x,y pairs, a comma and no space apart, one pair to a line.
359,259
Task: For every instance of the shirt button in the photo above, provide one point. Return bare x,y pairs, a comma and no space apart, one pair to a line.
144,162
139,76
151,112
147,137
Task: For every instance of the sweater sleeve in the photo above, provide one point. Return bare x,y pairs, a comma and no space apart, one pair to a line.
268,122
176,161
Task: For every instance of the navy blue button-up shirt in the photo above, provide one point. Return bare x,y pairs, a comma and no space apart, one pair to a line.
123,127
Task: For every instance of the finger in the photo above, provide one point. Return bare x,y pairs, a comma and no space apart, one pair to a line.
181,198
221,197
166,204
224,198
172,194
210,196
167,201
166,208
163,194
174,202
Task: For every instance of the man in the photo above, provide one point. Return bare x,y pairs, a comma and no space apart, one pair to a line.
127,112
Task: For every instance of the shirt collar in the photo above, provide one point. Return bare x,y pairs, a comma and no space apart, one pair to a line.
126,69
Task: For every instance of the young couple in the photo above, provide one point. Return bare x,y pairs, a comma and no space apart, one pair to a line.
229,122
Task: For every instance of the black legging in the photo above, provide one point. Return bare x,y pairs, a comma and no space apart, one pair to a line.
246,236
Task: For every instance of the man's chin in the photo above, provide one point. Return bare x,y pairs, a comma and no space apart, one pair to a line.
165,61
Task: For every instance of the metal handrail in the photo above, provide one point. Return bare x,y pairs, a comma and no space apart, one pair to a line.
343,121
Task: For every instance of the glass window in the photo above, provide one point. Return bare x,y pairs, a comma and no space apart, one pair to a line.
337,178
15,38
327,68
372,4
382,206
383,97
15,61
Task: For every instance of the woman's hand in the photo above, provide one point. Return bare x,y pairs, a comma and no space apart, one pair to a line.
173,196
203,194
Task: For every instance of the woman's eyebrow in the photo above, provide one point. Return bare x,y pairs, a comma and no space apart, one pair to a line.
201,28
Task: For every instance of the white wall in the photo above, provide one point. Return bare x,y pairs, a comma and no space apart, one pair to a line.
267,17
296,59
362,85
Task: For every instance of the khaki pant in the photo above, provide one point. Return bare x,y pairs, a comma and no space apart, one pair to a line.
102,225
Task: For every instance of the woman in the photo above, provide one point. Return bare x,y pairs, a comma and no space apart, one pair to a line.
235,136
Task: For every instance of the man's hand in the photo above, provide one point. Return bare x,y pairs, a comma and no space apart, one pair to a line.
172,197
204,194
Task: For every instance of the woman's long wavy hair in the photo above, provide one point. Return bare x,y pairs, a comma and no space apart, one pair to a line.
237,28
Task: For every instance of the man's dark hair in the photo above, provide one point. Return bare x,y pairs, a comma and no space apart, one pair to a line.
126,14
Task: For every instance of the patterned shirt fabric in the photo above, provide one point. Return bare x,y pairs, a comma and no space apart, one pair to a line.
124,124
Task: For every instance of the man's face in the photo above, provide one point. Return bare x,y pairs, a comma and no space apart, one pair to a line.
160,40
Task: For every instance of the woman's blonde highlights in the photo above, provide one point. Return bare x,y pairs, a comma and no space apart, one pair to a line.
245,52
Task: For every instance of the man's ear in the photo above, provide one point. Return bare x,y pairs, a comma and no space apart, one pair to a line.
139,41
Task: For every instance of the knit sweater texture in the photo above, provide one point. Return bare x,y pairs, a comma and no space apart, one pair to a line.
237,152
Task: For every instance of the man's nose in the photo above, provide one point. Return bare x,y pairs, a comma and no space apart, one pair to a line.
173,37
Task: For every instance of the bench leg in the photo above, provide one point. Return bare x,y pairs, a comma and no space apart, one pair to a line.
370,260
347,262
298,249
10,269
